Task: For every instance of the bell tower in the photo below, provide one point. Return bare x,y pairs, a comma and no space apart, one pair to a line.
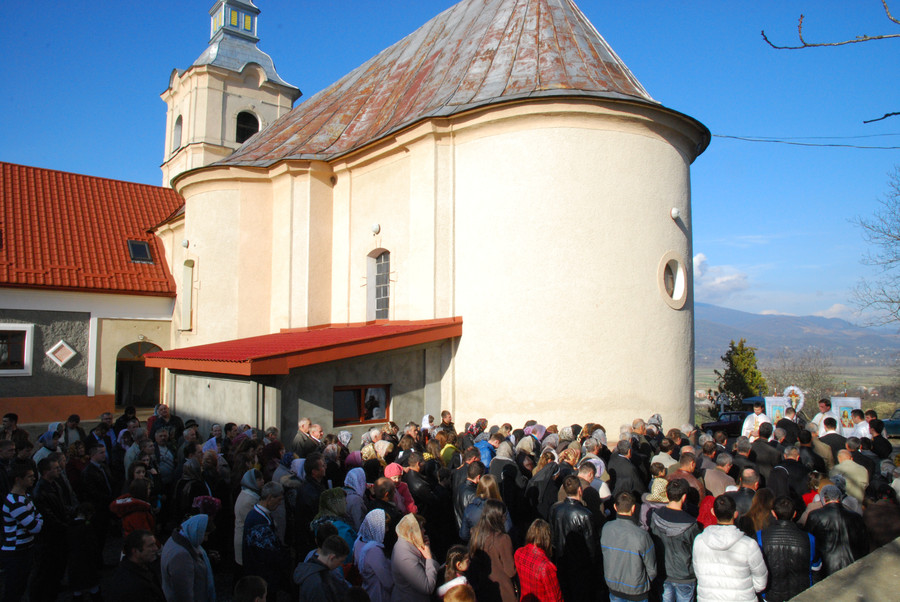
228,94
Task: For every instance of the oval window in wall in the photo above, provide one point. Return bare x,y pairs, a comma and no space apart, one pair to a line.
672,280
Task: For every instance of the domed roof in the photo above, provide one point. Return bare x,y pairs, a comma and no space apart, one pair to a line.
476,53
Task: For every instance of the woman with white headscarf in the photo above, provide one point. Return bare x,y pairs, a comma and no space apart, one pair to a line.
355,486
186,572
251,484
373,565
414,570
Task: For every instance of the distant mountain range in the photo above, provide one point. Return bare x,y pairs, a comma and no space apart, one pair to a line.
850,345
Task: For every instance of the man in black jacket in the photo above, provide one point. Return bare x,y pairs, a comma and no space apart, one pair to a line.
574,544
98,489
743,497
419,488
465,492
766,454
134,580
840,533
808,457
790,476
743,458
881,446
789,425
308,495
790,553
673,532
852,446
50,549
832,438
623,474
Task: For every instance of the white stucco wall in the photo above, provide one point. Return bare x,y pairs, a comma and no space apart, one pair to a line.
556,271
542,224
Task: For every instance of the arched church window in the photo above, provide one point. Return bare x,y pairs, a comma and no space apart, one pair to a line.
382,286
247,125
176,135
378,304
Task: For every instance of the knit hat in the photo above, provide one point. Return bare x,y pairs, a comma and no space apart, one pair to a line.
393,470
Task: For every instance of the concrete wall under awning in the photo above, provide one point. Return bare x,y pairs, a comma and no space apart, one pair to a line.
219,399
414,374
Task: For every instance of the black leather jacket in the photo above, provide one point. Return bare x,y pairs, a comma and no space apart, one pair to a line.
461,498
573,531
788,554
840,536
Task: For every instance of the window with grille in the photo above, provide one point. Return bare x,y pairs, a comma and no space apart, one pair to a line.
382,286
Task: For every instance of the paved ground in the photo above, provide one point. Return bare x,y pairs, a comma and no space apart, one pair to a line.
875,577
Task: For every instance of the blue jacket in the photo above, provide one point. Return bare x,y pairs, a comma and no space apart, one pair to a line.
487,452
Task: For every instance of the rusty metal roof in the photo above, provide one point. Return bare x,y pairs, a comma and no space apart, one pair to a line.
476,53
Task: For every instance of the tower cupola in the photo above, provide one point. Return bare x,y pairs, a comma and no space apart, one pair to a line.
227,95
233,17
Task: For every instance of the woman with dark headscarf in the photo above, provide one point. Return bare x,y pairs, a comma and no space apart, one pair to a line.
269,458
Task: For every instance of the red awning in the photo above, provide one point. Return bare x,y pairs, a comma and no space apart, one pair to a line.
279,353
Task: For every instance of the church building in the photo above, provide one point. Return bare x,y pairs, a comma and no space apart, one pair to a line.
492,216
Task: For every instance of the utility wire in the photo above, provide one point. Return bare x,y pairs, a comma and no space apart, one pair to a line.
815,144
824,137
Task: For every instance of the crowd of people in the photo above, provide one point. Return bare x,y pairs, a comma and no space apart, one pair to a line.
429,511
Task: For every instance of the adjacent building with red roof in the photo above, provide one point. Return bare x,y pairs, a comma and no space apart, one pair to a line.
85,290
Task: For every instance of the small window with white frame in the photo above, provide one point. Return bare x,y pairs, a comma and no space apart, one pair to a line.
16,349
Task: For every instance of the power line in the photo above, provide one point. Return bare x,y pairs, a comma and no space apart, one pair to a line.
823,137
791,142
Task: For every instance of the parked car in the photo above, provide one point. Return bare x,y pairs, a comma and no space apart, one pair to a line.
892,425
731,422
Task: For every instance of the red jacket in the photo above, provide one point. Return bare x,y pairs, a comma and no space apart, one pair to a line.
537,575
135,514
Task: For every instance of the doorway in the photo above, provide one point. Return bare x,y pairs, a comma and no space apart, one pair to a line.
136,384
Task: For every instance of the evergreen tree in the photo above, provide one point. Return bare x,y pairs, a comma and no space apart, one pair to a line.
741,377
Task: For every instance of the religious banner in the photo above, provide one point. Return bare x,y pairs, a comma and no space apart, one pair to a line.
842,406
775,407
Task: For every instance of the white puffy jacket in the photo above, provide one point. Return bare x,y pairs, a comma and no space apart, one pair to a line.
728,564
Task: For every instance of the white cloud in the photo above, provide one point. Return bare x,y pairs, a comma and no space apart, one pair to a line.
716,283
838,310
775,312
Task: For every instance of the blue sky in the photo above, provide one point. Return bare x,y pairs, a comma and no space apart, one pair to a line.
772,222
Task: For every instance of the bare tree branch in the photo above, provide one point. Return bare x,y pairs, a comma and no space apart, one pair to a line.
856,40
885,116
881,294
888,12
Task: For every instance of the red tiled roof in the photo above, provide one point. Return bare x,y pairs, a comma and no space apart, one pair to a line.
476,53
68,231
280,352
